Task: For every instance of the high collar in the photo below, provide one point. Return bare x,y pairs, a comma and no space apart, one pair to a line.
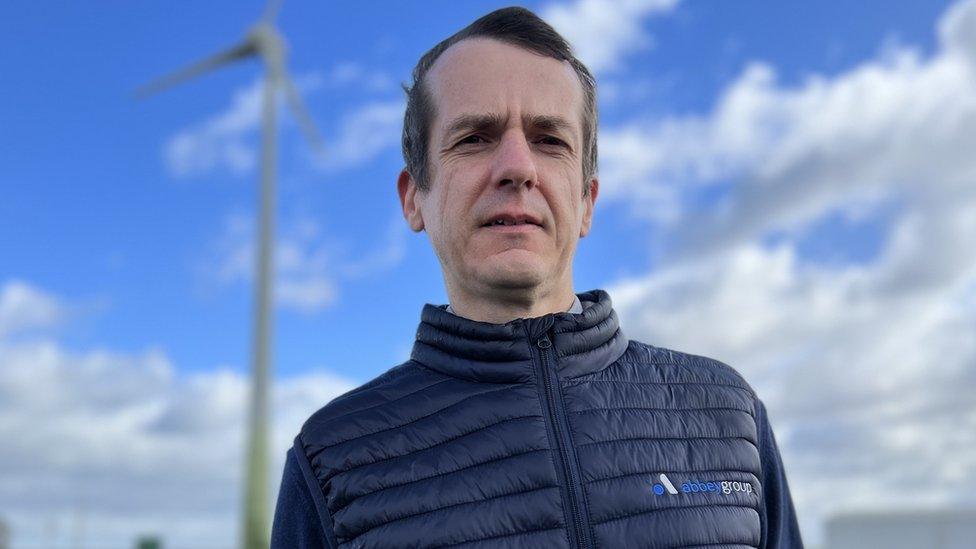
575,308
582,343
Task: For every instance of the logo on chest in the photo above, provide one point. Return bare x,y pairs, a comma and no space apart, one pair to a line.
693,486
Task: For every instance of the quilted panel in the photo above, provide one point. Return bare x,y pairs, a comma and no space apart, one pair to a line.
635,421
445,462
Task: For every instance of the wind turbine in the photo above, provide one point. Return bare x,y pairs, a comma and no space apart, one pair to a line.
264,41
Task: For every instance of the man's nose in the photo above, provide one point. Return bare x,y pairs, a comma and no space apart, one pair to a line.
513,162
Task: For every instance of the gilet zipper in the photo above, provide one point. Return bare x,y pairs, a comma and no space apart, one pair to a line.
564,446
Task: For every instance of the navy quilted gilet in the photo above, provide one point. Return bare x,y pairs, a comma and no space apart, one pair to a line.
554,431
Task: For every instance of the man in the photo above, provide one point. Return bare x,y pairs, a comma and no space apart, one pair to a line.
525,417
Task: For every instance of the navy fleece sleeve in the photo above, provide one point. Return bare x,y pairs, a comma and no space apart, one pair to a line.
779,526
301,520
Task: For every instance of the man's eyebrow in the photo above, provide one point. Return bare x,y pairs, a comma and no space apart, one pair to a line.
473,122
548,123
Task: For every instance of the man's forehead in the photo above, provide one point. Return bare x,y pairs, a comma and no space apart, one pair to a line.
479,76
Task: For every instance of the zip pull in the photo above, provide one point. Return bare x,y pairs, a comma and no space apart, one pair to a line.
540,328
544,342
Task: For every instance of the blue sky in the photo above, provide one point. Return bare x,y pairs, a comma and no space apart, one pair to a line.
758,164
92,213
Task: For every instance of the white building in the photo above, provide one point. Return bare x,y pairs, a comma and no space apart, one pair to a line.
920,529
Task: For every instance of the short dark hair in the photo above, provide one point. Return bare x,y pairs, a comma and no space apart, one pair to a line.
513,25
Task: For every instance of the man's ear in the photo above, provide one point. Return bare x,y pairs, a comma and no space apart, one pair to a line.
409,201
588,204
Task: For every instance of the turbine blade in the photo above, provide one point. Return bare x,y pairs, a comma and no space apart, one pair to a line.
301,114
240,51
271,10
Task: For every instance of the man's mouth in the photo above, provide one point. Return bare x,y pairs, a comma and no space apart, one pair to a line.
512,222
511,228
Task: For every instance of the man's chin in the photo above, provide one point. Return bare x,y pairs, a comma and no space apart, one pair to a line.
511,271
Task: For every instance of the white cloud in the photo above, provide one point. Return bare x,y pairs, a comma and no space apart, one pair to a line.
229,140
386,256
866,367
362,135
223,141
126,445
24,307
310,263
355,74
880,128
602,32
305,277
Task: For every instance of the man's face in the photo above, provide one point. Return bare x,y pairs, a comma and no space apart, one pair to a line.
506,142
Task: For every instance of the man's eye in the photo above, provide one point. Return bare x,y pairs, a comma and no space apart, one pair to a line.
550,140
471,139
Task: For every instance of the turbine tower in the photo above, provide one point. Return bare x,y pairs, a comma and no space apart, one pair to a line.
265,42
